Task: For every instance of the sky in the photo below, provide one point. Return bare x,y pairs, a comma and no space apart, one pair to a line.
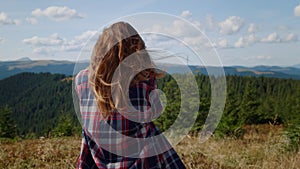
245,33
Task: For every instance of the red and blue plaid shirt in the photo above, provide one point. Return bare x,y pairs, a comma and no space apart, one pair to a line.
103,148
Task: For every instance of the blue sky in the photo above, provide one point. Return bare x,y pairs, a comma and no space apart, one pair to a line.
243,32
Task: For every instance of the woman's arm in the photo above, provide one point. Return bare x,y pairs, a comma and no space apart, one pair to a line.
145,99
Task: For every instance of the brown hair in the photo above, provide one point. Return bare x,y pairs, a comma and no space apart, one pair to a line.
116,42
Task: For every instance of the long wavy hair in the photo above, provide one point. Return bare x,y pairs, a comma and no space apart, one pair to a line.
115,44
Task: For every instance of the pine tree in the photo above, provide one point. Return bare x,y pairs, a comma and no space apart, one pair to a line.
231,123
250,103
7,124
65,126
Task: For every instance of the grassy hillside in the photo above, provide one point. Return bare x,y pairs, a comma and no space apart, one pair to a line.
262,147
260,126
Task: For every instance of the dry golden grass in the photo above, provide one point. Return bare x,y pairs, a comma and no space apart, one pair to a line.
40,153
262,147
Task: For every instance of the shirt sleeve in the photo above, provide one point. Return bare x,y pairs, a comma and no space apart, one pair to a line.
85,159
80,82
145,99
153,98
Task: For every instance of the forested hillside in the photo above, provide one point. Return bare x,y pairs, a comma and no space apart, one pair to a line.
250,100
41,102
37,101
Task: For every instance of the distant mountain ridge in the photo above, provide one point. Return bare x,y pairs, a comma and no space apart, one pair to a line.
296,66
9,68
24,59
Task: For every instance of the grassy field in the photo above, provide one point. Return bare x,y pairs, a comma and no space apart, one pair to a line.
263,146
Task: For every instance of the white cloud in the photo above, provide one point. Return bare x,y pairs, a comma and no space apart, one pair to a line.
45,50
271,38
297,10
2,39
86,35
253,28
52,40
291,38
252,39
210,23
223,43
154,28
246,41
258,57
241,43
198,24
275,38
57,13
194,41
177,28
263,57
5,20
32,21
186,14
283,27
55,43
155,41
220,43
186,32
231,25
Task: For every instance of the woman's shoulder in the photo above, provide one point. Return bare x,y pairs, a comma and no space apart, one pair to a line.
82,77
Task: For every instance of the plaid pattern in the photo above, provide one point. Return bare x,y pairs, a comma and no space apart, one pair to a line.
119,142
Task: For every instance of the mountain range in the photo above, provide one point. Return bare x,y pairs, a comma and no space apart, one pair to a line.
9,68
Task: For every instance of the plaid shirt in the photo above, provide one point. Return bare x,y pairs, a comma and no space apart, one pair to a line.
102,147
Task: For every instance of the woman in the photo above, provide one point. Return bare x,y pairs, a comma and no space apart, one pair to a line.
118,100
